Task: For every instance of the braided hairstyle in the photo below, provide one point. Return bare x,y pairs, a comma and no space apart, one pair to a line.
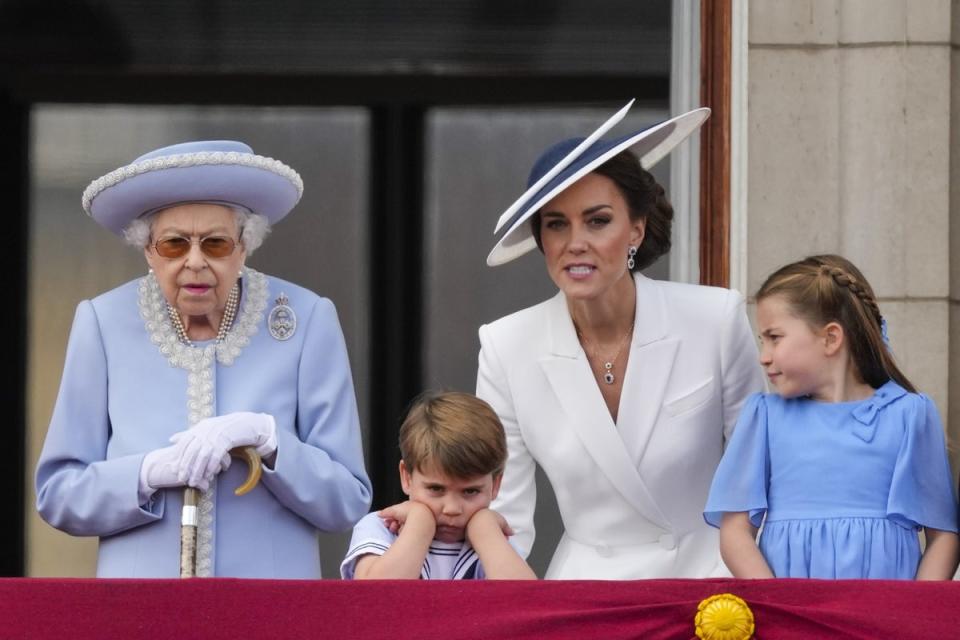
646,199
828,288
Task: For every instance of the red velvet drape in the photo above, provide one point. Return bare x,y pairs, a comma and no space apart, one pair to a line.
649,609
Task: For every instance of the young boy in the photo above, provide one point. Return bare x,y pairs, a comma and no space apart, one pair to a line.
453,449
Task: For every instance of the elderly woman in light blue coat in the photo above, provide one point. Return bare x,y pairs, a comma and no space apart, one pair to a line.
166,374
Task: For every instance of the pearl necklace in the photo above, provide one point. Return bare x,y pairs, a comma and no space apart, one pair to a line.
229,313
608,363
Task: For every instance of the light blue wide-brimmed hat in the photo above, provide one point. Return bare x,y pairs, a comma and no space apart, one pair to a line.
218,171
566,162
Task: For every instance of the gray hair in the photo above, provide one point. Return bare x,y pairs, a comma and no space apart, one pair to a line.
254,225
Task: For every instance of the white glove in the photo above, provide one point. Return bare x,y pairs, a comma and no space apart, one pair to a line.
208,441
160,469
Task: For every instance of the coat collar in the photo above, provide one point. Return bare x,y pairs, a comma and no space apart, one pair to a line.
615,451
650,320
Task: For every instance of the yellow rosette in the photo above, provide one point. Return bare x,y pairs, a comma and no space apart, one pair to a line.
724,617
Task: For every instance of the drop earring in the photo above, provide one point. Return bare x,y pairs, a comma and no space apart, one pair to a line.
631,252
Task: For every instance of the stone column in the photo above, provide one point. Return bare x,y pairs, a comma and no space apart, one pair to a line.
954,234
849,153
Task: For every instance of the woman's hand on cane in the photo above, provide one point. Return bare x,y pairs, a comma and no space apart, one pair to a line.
161,469
207,442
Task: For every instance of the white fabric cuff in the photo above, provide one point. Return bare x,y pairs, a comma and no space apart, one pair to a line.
144,490
268,447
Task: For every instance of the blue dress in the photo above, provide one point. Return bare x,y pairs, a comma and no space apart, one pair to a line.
844,486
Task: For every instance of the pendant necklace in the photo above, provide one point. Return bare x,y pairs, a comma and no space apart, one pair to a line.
229,313
608,363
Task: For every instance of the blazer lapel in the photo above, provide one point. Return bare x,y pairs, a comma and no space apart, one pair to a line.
648,369
569,374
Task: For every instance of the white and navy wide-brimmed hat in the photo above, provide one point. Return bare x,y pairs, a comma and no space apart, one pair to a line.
566,162
217,171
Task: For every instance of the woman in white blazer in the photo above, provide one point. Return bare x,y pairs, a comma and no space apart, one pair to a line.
623,389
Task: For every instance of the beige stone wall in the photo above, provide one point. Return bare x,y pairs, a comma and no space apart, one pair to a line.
850,152
954,233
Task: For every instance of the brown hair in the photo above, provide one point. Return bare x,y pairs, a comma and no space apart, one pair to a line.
646,200
457,433
829,288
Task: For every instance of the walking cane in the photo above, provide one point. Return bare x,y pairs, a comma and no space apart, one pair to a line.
188,518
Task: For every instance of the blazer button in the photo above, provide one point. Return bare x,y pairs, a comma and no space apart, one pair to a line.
604,551
667,542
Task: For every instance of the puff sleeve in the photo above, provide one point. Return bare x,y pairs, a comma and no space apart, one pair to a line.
921,490
742,479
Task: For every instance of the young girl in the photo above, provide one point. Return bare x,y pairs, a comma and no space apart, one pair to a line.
846,460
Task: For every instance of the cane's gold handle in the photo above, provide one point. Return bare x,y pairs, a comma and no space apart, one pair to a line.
254,468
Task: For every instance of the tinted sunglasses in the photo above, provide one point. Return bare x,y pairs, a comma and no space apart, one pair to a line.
211,246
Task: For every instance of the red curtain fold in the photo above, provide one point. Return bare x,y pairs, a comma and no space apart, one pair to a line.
648,609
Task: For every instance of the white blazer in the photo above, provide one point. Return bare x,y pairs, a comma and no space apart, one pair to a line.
631,493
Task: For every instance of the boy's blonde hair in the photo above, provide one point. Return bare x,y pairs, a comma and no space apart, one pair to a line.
456,433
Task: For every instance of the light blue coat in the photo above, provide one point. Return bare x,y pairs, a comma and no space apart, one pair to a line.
120,397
